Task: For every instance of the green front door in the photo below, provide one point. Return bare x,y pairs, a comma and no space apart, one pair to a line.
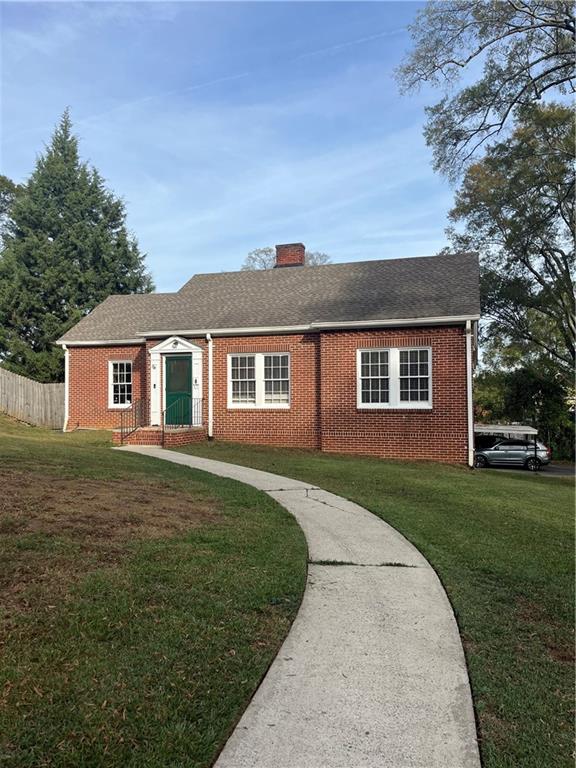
178,389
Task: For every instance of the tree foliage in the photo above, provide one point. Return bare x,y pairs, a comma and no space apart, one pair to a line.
526,50
530,396
265,258
517,208
9,190
65,250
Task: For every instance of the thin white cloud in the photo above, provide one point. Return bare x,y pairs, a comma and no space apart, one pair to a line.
242,75
350,43
164,94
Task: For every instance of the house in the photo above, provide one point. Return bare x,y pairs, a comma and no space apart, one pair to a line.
371,357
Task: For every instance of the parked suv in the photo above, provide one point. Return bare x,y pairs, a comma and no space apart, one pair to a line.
518,453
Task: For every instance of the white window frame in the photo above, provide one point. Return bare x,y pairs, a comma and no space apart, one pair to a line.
394,402
260,403
111,364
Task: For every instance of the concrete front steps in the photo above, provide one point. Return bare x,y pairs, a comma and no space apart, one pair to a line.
172,437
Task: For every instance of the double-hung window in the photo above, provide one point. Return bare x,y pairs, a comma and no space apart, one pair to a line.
394,378
374,376
276,379
119,383
243,379
414,375
259,380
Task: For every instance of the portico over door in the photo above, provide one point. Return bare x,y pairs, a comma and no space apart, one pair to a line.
176,377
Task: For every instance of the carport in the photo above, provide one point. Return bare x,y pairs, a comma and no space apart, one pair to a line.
509,431
522,431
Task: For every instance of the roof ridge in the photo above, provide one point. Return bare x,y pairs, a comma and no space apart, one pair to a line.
332,265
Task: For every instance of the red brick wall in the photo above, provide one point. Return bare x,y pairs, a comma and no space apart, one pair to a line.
439,434
88,384
323,412
296,426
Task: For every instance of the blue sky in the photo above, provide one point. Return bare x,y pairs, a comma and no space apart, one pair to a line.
229,126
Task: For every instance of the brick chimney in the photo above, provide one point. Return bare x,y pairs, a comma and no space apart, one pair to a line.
290,255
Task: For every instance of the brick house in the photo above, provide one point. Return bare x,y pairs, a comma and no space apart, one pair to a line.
370,357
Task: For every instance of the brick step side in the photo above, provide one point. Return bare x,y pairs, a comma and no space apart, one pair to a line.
150,436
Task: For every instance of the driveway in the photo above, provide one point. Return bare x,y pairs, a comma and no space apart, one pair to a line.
550,470
372,673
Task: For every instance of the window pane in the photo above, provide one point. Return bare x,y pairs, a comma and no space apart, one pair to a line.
244,391
179,373
242,367
276,391
365,391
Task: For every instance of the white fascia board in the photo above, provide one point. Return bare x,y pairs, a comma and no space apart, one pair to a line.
100,343
256,331
229,331
353,324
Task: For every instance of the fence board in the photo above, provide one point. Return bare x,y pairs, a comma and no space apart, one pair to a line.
31,401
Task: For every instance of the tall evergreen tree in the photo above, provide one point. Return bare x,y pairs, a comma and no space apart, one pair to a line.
66,250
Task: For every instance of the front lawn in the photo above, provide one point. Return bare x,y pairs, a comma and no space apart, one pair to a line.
503,545
141,603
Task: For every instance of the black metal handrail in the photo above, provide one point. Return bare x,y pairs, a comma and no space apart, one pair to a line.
184,412
132,417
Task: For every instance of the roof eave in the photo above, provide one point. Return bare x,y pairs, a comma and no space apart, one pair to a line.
315,326
273,329
98,343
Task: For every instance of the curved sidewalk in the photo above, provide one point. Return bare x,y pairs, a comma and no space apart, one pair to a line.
372,673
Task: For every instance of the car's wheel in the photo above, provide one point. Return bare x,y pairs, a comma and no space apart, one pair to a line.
480,462
533,464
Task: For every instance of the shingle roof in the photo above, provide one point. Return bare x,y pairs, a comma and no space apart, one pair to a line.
364,291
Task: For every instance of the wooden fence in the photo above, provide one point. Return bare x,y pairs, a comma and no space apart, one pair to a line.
31,401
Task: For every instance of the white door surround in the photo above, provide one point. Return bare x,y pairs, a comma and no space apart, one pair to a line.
175,345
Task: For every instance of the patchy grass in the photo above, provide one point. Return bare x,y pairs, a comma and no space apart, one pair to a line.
503,545
141,603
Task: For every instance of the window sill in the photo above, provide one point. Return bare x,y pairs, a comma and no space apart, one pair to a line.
398,408
119,407
259,407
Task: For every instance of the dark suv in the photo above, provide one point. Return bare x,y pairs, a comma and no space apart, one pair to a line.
518,453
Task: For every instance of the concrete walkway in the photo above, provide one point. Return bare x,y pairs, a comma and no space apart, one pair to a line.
372,673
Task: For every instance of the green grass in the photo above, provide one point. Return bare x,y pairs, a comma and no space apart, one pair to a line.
503,545
141,603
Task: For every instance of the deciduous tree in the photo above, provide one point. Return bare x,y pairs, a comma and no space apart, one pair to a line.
517,209
525,49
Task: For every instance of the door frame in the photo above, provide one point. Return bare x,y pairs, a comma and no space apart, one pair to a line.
175,345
